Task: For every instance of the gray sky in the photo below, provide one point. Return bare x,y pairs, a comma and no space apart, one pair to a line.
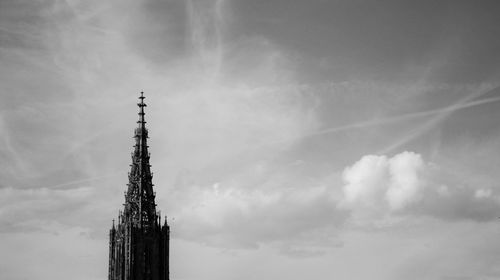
290,139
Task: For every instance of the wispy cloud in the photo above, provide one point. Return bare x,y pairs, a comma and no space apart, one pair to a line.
274,126
442,114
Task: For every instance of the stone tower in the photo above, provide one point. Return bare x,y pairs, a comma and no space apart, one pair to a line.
139,243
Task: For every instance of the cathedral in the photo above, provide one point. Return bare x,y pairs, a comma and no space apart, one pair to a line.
139,243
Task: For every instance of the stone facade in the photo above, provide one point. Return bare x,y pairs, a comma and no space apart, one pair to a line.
139,243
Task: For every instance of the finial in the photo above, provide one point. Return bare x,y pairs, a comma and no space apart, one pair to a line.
113,223
142,97
141,111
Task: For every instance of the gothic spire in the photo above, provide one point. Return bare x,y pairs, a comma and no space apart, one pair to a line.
139,244
140,195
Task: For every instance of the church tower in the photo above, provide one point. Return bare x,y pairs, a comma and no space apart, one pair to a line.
139,243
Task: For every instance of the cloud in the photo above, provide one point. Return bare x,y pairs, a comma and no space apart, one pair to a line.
32,210
260,205
366,179
458,202
283,209
377,179
406,185
67,124
223,94
231,217
406,180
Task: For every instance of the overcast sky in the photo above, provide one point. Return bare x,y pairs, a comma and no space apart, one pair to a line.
319,139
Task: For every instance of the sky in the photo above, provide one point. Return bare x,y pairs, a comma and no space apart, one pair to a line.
289,139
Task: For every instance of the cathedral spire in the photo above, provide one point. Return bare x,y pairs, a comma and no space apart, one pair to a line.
139,245
140,196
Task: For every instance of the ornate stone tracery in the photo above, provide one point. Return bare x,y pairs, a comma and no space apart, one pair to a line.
139,243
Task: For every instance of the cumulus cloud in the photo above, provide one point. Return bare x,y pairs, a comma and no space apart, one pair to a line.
365,180
265,206
405,180
407,185
377,179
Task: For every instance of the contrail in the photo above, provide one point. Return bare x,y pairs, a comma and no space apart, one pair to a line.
85,180
404,117
442,114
